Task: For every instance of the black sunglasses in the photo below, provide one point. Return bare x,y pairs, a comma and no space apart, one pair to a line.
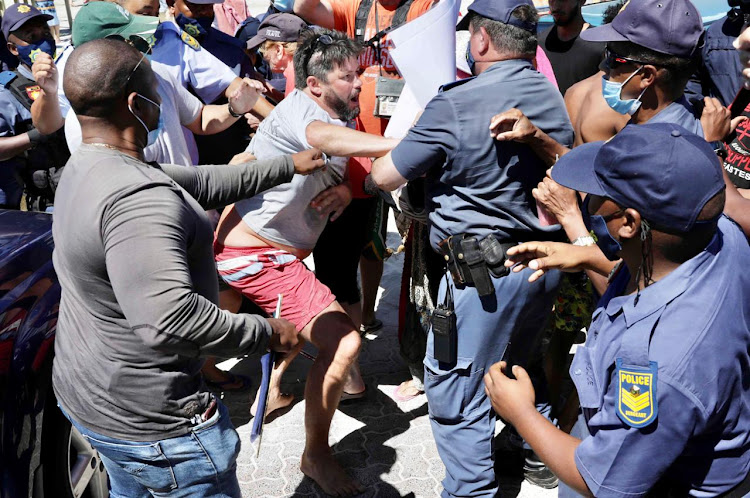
614,60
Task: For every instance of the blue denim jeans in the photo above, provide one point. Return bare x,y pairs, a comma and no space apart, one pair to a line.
200,463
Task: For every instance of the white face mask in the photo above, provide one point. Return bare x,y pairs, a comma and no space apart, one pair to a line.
612,93
152,134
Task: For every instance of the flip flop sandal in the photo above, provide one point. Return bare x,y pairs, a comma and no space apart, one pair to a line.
374,326
345,396
401,398
243,380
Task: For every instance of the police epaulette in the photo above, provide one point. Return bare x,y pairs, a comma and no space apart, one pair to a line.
190,41
6,77
454,84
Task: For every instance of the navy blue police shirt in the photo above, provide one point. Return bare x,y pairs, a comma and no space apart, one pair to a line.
475,184
228,50
680,112
695,325
720,69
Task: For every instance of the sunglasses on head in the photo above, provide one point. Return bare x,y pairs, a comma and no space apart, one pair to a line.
323,39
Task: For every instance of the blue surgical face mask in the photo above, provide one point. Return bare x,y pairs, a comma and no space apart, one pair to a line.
598,225
152,134
470,59
612,93
197,28
28,54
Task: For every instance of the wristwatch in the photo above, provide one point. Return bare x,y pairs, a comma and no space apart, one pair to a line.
584,240
231,111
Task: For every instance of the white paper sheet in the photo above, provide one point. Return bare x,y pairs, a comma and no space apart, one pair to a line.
424,54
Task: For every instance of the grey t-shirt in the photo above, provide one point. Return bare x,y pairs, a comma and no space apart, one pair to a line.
133,253
283,214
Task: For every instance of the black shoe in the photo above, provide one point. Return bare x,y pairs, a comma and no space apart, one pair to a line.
538,474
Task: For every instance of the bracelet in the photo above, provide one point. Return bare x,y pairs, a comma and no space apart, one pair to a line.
584,240
231,111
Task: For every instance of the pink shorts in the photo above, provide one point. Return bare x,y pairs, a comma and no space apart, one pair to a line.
262,273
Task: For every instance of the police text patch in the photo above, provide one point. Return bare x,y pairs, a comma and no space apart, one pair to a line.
636,393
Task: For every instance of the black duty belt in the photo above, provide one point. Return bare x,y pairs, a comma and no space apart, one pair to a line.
471,261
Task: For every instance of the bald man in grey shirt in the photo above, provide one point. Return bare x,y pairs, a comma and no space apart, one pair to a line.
133,253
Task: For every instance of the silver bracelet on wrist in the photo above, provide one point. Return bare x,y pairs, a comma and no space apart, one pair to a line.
584,240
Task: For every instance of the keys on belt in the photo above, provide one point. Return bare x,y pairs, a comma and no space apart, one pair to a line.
471,261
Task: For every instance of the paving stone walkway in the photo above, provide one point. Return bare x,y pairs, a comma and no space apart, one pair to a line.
387,445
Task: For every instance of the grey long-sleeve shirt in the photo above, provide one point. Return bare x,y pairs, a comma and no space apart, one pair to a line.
133,252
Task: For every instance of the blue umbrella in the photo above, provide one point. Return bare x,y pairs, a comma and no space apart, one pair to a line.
266,363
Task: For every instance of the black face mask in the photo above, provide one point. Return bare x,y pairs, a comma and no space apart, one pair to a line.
197,28
597,224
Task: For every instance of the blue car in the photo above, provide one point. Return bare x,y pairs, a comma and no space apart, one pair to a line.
711,10
40,455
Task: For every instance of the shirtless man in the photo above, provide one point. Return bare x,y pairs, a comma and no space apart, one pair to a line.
592,118
260,242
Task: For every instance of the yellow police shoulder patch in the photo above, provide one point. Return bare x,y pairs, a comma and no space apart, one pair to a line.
190,41
636,393
24,9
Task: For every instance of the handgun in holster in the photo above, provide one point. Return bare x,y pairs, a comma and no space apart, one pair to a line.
470,261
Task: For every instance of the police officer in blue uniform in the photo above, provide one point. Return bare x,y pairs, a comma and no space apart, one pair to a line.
479,196
195,18
30,159
663,376
719,72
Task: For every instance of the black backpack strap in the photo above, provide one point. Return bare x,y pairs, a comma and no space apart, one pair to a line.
360,22
402,12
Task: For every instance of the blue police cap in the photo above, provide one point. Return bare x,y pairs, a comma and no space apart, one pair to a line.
672,27
17,15
661,170
498,10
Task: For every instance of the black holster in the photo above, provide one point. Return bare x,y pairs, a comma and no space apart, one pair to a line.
471,261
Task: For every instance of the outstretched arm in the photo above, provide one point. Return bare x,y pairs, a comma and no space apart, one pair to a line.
220,185
217,118
340,141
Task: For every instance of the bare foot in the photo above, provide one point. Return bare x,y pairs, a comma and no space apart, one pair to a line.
276,401
328,474
406,391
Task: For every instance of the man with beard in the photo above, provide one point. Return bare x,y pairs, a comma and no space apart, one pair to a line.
572,58
261,242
